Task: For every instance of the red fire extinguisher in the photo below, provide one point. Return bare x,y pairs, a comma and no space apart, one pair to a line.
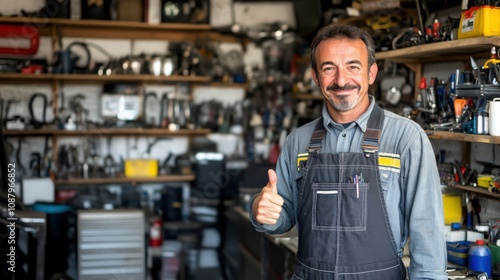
156,232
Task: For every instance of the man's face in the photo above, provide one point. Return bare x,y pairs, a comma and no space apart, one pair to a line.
343,74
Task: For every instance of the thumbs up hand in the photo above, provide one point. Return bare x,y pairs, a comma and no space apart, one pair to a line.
266,207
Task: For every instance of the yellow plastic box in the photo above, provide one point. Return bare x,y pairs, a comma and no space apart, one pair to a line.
141,168
479,21
452,206
485,180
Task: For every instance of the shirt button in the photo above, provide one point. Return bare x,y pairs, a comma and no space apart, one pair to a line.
343,135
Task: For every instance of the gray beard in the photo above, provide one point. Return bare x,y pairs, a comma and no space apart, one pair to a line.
343,105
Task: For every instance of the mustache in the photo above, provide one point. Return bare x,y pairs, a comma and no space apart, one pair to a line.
345,87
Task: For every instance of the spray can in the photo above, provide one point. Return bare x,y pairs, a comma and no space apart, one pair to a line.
479,258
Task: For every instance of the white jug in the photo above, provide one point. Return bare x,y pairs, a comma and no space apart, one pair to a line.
494,106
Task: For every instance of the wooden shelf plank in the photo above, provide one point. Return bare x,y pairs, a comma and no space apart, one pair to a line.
125,180
130,78
91,78
18,77
114,29
464,137
447,50
108,132
103,24
478,190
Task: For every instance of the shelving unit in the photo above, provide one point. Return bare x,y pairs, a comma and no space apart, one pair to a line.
464,137
108,132
125,180
478,190
64,28
415,57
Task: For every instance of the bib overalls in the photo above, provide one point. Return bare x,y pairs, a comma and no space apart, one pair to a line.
344,231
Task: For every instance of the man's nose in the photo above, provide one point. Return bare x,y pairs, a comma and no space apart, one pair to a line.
341,78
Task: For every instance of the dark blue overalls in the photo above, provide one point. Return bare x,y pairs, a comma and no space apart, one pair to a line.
344,231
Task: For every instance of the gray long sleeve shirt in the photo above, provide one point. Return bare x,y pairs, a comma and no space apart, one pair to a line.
411,185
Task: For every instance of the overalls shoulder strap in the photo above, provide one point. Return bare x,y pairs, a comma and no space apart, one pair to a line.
317,137
373,130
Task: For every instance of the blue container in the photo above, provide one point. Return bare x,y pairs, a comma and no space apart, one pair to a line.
457,252
480,258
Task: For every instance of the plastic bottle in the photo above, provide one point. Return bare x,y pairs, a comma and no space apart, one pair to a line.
479,258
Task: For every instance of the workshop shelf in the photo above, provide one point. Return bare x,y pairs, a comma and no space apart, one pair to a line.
463,137
124,180
92,78
114,29
108,132
441,51
478,190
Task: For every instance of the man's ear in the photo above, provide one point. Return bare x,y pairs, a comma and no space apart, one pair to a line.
315,77
372,74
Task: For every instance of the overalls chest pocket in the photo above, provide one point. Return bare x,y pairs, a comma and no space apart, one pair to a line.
339,206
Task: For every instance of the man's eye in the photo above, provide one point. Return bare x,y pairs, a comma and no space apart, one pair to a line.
328,70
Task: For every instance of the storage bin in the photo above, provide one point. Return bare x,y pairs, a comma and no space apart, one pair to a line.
495,254
452,206
457,252
479,21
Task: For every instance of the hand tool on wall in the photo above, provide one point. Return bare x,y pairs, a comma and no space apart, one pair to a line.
109,162
20,170
31,106
35,164
494,73
164,120
150,121
46,161
16,121
79,111
168,104
165,168
176,112
475,70
75,162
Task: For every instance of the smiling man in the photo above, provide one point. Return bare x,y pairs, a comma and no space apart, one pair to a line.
359,182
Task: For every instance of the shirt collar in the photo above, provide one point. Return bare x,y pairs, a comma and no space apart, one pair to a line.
362,121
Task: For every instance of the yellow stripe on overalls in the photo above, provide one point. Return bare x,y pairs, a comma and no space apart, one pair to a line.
389,160
301,158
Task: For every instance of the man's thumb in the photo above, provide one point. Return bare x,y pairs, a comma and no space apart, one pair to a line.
272,181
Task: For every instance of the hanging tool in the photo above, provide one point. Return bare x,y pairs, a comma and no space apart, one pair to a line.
475,70
149,121
38,123
35,164
46,161
494,73
109,162
21,170
79,111
164,120
165,169
16,121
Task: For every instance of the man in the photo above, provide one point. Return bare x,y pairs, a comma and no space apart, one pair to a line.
359,182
